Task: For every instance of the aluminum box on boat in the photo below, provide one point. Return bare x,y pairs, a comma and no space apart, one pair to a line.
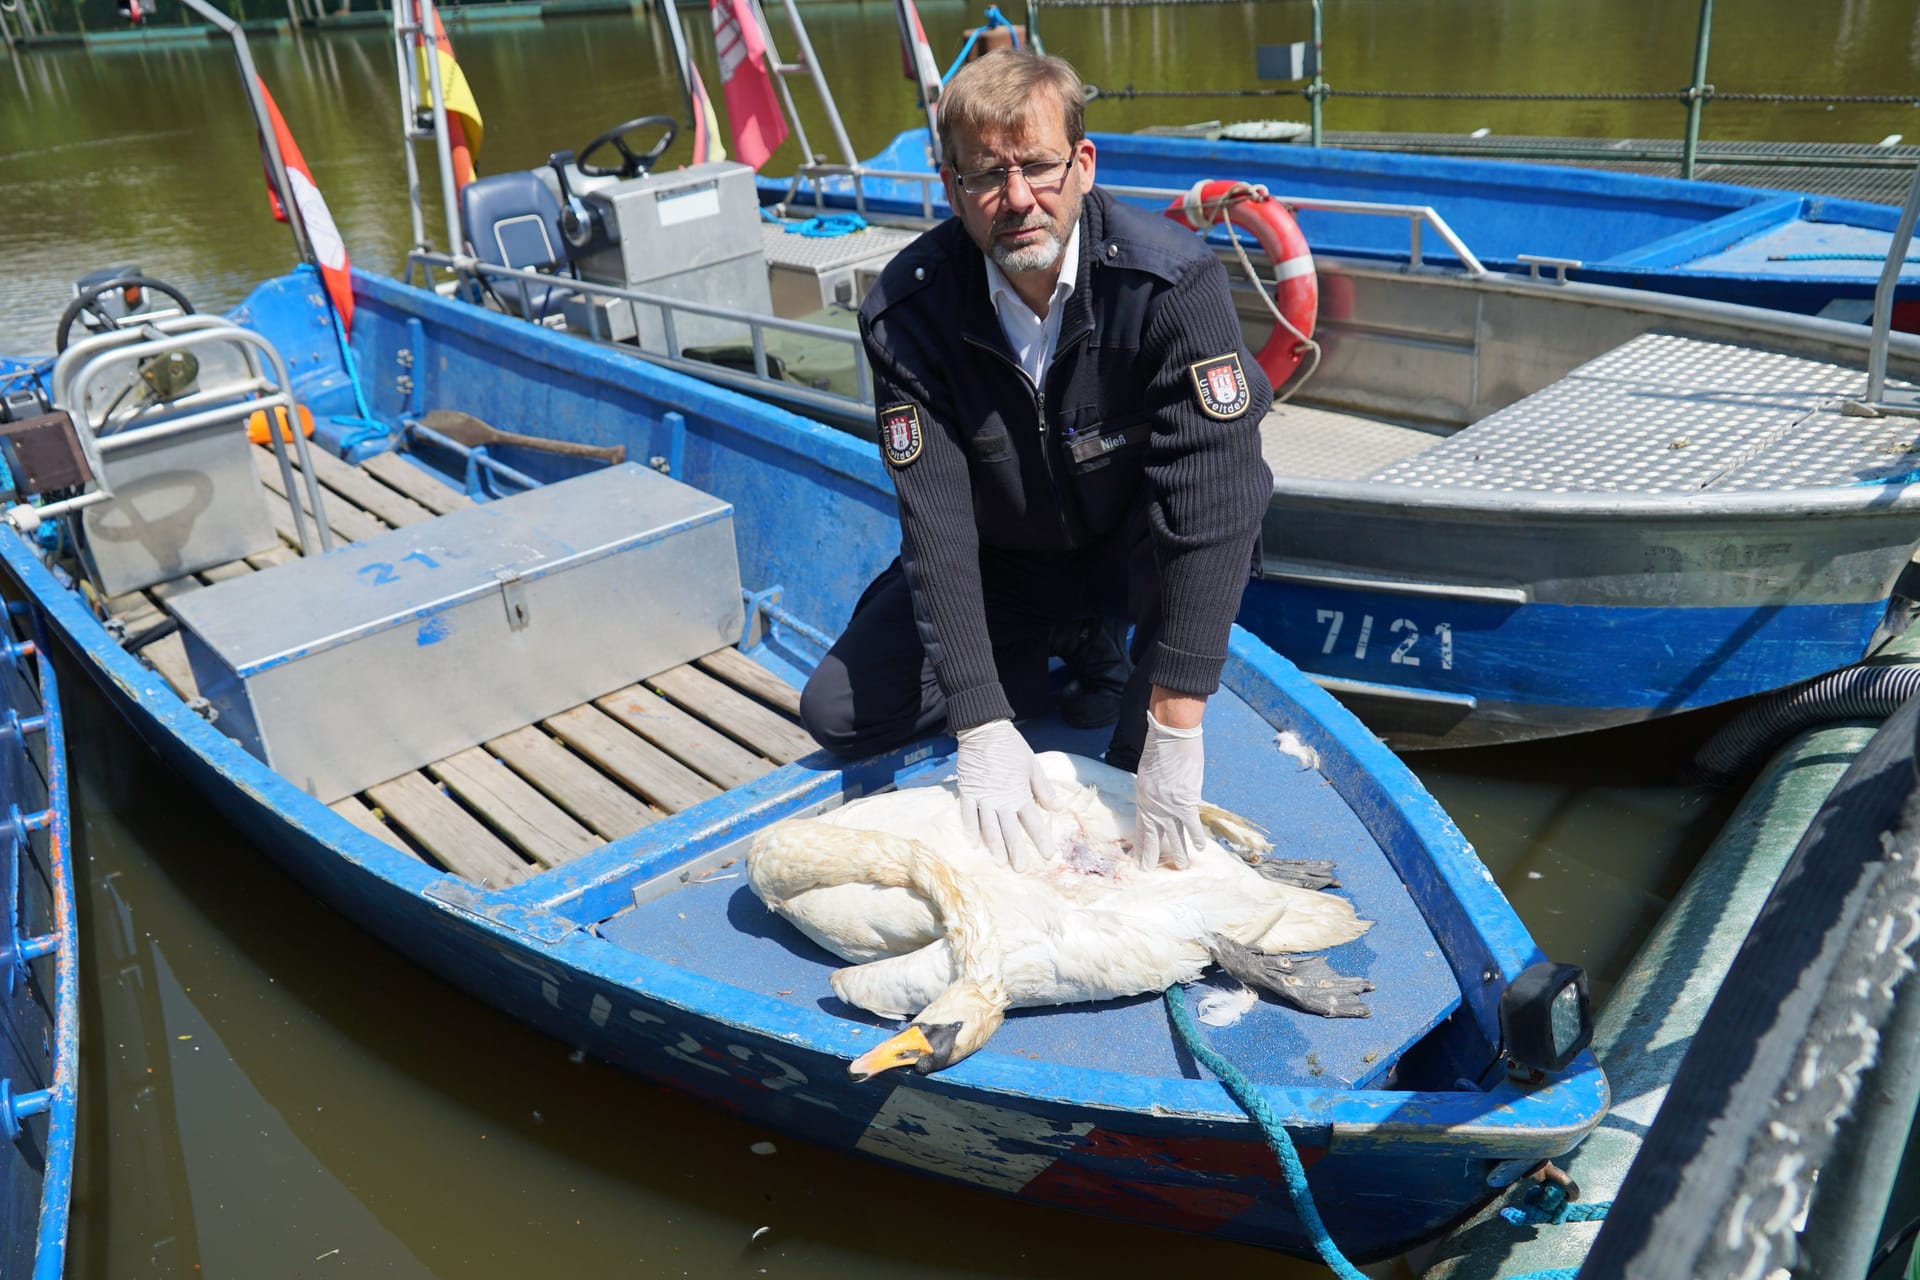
692,235
354,667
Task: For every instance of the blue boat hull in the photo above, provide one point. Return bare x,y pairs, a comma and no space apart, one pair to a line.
1707,240
1173,1152
39,961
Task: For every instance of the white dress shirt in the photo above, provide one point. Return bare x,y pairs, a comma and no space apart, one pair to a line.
1032,338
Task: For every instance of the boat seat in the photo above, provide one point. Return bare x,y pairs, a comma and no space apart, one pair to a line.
513,220
1665,413
161,411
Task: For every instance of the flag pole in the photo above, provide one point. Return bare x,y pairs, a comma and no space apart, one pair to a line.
428,38
250,81
670,12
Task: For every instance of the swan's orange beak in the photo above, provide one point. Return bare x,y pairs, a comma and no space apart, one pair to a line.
903,1050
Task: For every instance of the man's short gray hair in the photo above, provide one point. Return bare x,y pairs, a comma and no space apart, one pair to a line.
994,93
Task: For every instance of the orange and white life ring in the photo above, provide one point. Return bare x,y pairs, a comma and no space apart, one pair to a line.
1217,200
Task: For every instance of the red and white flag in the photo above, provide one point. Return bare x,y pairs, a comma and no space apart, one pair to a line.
916,55
753,113
329,250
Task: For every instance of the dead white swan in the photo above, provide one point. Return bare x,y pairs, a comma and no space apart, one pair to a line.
941,933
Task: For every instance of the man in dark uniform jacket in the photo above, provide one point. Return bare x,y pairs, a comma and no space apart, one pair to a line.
1071,420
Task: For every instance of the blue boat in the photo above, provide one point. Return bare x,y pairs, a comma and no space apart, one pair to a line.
1783,250
1506,506
40,1053
460,727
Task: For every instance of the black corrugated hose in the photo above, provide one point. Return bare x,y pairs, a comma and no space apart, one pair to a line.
1864,691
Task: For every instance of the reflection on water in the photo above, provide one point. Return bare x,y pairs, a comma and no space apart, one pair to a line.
268,1091
145,155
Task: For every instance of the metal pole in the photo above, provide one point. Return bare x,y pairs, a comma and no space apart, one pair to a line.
813,69
910,51
409,94
1317,91
6,35
1883,292
669,9
428,38
250,81
1698,91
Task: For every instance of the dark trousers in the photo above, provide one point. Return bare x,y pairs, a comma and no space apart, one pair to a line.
875,689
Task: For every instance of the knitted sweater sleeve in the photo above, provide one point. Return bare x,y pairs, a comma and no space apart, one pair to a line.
1210,486
939,540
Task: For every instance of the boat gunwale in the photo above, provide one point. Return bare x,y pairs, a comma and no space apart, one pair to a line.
1567,1108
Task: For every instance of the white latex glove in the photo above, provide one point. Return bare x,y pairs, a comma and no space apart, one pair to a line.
1166,796
1002,793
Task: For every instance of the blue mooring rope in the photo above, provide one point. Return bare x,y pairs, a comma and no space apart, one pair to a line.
1546,1204
828,225
1543,1203
1247,1094
994,18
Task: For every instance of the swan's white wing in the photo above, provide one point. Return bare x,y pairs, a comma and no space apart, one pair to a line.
862,922
901,986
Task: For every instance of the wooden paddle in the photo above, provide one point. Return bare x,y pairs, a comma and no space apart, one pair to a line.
470,431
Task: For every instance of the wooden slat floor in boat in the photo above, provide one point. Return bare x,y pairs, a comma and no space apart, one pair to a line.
544,793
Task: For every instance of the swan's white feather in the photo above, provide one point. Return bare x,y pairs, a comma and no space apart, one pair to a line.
891,883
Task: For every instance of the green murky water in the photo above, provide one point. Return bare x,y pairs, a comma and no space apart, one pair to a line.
269,1092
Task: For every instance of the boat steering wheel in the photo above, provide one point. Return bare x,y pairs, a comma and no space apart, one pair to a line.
88,301
631,165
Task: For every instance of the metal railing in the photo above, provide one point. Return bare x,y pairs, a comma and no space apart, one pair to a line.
1694,96
857,176
77,380
669,310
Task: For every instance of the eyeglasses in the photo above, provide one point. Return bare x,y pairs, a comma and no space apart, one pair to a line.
1041,175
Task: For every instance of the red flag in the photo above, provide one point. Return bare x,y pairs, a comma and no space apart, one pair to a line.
329,251
753,114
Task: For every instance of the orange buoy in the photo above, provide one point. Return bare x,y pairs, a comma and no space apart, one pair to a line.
257,424
1297,294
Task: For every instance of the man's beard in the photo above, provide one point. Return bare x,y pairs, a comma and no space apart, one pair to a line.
1043,254
1037,256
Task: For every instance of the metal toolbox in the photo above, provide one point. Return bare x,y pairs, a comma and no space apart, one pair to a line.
806,273
691,234
351,668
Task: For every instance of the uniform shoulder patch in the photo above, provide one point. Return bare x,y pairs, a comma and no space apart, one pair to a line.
900,436
1221,385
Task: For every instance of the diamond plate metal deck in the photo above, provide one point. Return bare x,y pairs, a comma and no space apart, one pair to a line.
1666,414
824,253
1325,444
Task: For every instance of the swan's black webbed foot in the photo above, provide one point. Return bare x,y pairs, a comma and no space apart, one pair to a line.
1298,872
1306,983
